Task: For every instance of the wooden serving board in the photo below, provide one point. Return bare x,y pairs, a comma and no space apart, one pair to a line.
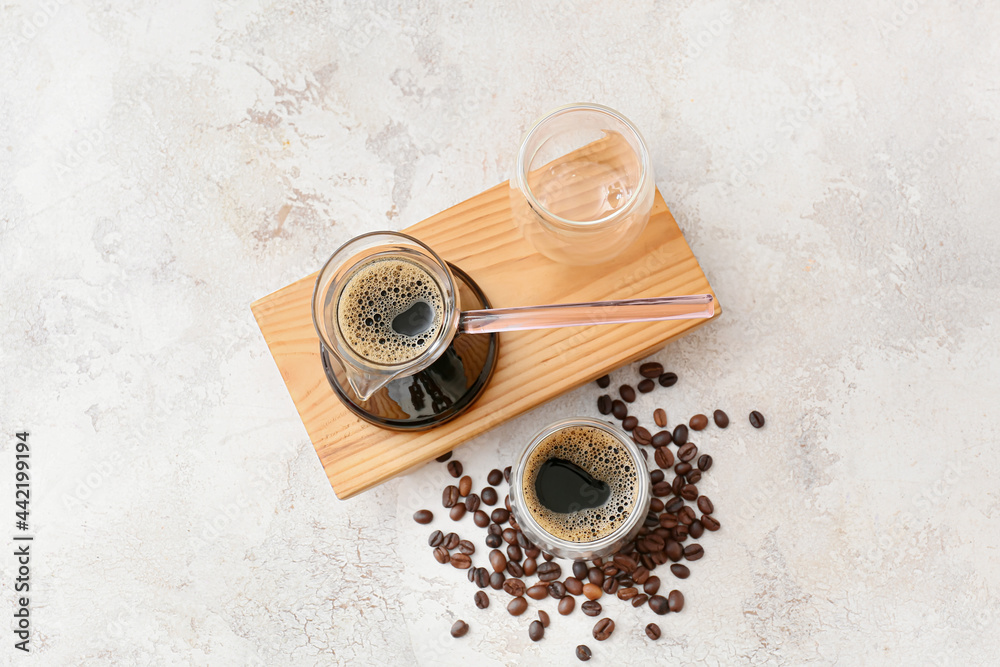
479,236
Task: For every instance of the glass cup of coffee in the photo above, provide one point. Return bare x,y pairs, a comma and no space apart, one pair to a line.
580,489
581,190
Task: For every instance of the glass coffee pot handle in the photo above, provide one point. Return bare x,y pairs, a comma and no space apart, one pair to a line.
688,307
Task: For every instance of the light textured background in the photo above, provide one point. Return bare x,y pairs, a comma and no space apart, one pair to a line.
834,168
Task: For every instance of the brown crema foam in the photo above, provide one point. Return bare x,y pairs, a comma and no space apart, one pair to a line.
604,457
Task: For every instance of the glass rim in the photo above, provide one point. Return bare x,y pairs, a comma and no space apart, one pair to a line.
521,173
642,486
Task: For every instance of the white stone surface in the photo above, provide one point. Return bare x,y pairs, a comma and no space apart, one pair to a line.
833,167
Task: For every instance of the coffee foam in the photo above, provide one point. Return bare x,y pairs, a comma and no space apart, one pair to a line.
374,295
603,456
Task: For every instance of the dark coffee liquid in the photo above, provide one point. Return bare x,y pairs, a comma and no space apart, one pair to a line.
565,487
415,320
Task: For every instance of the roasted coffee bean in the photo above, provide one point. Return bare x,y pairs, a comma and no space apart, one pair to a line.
506,502
661,439
514,569
674,505
683,467
692,477
674,550
618,409
653,631
493,541
451,541
549,571
580,570
455,469
466,547
645,386
513,552
441,555
461,561
604,404
459,629
629,423
514,587
472,502
680,434
705,505
756,419
481,518
595,576
710,522
450,496
591,591
664,457
658,604
676,485
536,631
509,536
641,575
423,516
557,590
574,586
517,606
680,571
625,563
436,539
668,520
482,600
698,422
482,577
610,585
457,512
721,418
655,477
522,540
444,457
627,393
686,515
689,492
660,417
675,601
668,379
659,558
604,628
642,433
610,570
656,505
651,586
465,486
543,616
489,496
680,533
530,566
696,529
506,474
693,552
651,369
687,451
704,462
566,605
538,592
627,593
494,529
604,381
583,653
661,489
532,551
624,581
493,477
591,607
639,600
499,516
497,580
498,561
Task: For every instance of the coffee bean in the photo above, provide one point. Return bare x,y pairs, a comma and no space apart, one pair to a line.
675,486
618,409
668,379
641,433
646,386
625,563
641,575
543,616
506,474
459,629
482,600
457,512
604,381
506,501
689,492
696,529
629,423
674,550
756,419
651,586
481,518
583,653
610,586
704,462
497,580
455,469
423,516
660,417
549,571
532,552
461,561
529,566
466,547
604,628
580,570
441,555
509,536
489,496
683,467
653,631
444,457
680,434
692,552
686,516
595,576
687,451
573,586
663,457
627,393
705,505
536,631
498,561
566,605
680,571
451,541
710,522
680,533
721,418
651,369
674,505
655,477
604,404
449,496
692,477
557,590
675,601
493,541
513,552
465,486
436,539
499,516
592,591
514,569
538,592
627,593
514,587
517,606
472,502
661,489
658,604
668,520
493,477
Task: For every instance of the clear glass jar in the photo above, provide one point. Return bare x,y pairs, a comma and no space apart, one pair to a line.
601,547
582,184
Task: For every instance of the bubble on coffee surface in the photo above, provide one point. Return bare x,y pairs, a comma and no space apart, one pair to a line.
605,458
375,296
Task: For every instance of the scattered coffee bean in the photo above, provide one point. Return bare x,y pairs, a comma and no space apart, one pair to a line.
629,423
663,457
604,381
651,369
604,629
674,505
693,552
423,516
680,571
459,629
689,492
660,417
680,434
513,552
696,529
721,418
449,496
618,409
514,569
646,386
461,561
557,590
451,541
466,547
436,539
642,433
675,601
532,552
627,393
698,422
549,571
498,561
455,469
530,566
506,474
457,512
595,576
756,419
566,605
493,541
604,404
655,477
543,616
687,451
496,580
441,555
499,516
641,574
680,533
661,489
482,600
514,587
658,604
583,653
668,379
705,505
639,600
710,522
704,462
591,607
481,518
693,477
661,439
653,631
444,457
573,586
590,591
627,593
517,606
610,586
489,496
686,516
580,570
472,502
536,631
465,486
683,467
509,535
651,586
538,592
